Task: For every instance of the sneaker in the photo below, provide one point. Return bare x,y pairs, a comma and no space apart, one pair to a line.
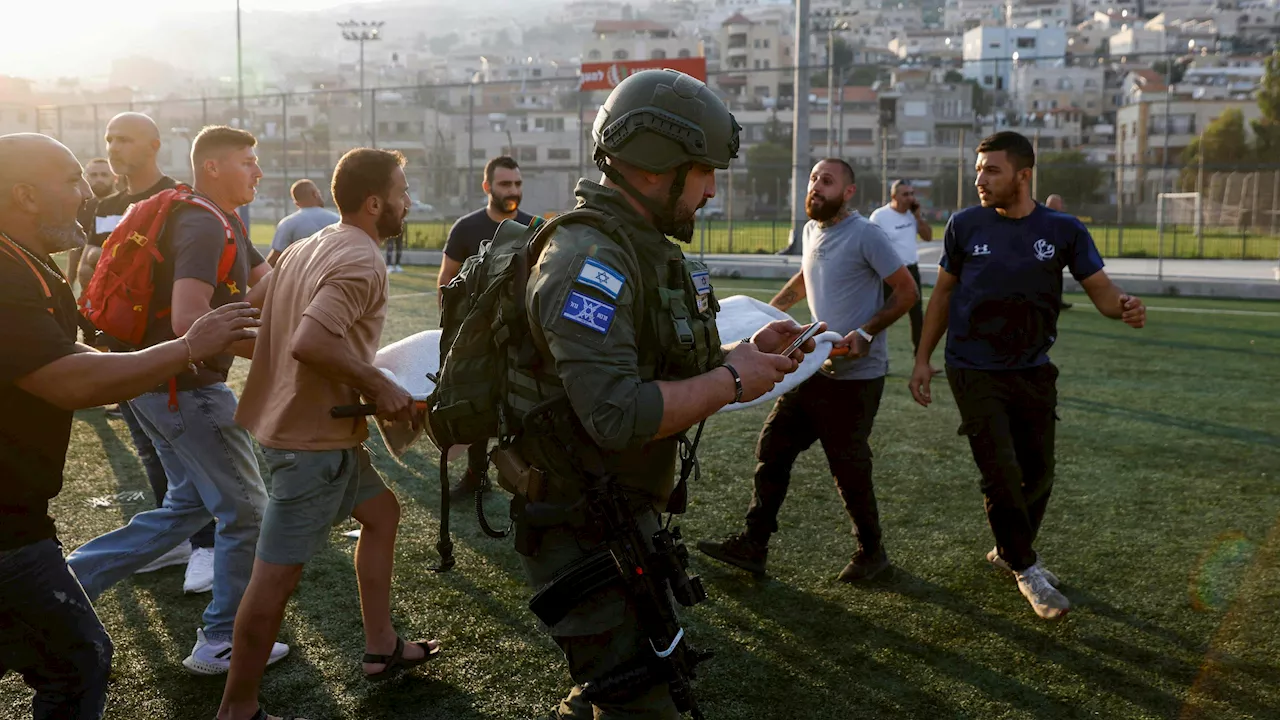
1044,598
399,268
739,551
113,412
465,489
213,657
864,566
199,572
177,556
994,558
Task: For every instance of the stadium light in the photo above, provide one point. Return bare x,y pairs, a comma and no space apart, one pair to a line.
361,31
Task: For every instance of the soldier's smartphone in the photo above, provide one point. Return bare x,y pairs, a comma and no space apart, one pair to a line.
805,336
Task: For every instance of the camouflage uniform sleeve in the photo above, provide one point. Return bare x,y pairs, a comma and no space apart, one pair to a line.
583,295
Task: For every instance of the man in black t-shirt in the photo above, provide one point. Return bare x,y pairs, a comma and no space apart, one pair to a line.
102,182
133,142
49,632
503,186
210,460
997,298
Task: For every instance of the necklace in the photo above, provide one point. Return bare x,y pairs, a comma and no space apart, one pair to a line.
35,257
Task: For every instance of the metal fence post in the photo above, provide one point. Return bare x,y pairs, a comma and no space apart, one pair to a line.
373,116
284,153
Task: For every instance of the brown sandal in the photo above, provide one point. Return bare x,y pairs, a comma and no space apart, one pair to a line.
397,662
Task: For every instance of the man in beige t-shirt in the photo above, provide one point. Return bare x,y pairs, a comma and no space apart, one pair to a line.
322,323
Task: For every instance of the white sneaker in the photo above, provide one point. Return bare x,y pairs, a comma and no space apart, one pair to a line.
1044,598
994,558
177,556
213,657
199,572
399,268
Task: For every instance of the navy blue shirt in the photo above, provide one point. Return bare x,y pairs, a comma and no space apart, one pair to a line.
1004,310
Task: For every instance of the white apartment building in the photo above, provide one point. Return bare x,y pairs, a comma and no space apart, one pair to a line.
750,54
988,52
638,40
1050,13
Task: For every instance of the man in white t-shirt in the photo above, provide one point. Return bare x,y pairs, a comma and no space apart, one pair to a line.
901,221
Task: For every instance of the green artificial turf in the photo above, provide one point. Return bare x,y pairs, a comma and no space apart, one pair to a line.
1163,527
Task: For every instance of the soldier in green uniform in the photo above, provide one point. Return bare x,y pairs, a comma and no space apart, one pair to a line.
625,326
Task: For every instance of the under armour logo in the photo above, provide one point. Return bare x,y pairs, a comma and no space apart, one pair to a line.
981,250
1044,249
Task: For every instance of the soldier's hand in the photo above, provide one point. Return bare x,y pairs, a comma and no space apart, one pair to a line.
778,336
214,332
759,371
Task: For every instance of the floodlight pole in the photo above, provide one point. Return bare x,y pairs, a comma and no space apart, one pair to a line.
361,31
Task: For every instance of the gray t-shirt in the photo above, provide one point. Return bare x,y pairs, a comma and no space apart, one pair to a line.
302,224
844,270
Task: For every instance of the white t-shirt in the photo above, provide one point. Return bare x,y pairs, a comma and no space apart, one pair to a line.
901,229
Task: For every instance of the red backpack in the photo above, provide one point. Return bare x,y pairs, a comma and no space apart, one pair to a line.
119,299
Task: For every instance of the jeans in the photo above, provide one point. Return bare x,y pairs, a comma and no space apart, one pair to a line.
155,471
213,472
396,243
840,414
1009,417
917,311
50,634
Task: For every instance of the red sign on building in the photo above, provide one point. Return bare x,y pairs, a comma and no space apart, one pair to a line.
606,75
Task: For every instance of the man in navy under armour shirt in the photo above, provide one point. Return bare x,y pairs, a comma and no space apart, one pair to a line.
998,294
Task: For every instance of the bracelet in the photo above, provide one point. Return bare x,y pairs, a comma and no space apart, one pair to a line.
745,340
191,359
737,382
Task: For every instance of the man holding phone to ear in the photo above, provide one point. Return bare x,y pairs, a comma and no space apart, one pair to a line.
847,259
902,222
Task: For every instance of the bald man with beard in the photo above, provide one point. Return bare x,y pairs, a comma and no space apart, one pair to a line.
49,632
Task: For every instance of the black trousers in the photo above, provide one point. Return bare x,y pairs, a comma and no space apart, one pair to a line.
396,243
916,313
839,413
1009,417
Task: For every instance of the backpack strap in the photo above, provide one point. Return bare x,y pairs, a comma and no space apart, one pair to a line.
227,260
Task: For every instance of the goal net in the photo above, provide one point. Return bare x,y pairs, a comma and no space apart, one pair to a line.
1180,218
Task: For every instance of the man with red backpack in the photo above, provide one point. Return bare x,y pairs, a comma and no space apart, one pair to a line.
202,259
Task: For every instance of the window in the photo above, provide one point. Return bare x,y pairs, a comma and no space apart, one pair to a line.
1065,84
994,45
915,108
537,72
756,43
986,80
766,64
757,64
766,42
558,154
909,164
762,91
683,54
1090,83
658,55
478,154
1036,83
915,138
528,154
402,128
1026,42
593,55
619,54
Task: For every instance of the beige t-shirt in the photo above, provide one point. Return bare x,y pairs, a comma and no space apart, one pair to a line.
337,278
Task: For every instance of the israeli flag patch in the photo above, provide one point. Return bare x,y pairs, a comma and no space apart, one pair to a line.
701,282
589,313
601,277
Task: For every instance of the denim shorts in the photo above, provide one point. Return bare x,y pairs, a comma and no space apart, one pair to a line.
310,492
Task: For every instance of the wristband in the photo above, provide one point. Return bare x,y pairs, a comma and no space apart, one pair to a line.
737,382
864,334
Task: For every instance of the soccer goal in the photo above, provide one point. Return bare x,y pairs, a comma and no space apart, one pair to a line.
1180,219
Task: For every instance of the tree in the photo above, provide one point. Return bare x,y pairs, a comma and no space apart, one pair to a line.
1070,174
1266,130
981,100
953,76
769,164
1222,144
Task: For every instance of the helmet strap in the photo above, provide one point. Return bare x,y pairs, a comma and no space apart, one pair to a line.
663,215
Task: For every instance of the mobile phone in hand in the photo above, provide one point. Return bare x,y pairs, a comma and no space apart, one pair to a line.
805,336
